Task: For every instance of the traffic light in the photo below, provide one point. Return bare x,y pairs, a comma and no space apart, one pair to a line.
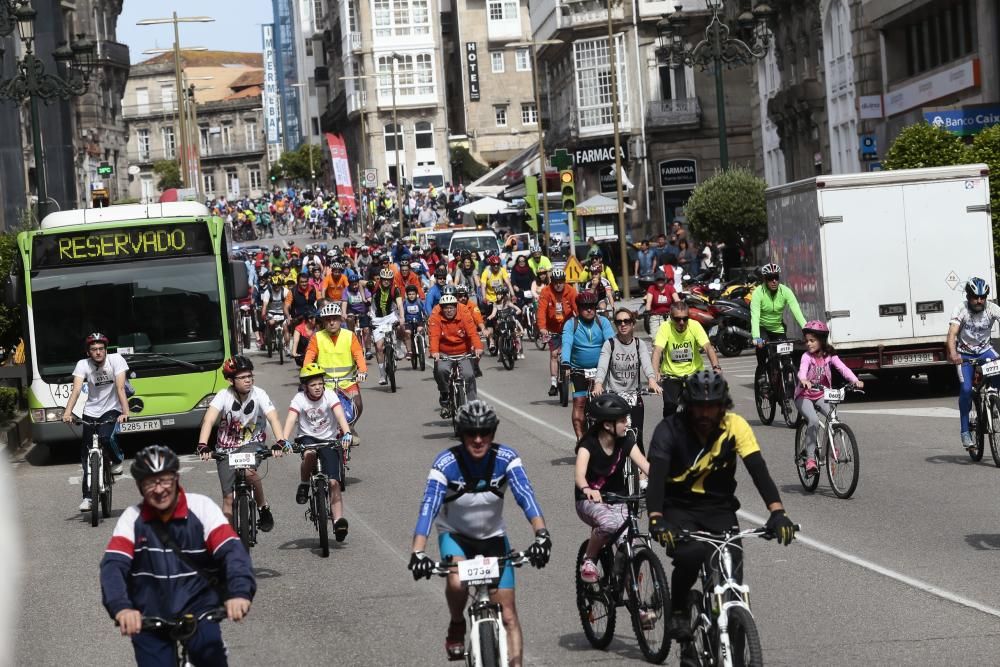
531,201
568,185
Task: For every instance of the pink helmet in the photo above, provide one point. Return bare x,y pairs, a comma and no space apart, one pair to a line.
816,327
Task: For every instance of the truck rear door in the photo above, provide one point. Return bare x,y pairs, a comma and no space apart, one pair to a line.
865,274
949,240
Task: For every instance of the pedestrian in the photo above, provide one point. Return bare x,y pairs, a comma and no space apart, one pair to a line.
687,257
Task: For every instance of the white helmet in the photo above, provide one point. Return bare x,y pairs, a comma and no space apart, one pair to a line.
448,300
330,310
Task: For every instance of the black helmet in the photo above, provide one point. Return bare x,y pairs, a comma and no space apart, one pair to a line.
475,416
608,407
154,460
706,386
448,289
236,364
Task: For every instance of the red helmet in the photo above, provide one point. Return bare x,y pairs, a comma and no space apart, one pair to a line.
586,299
816,327
234,365
493,260
96,337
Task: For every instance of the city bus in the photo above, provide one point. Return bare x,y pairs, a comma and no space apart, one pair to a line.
157,280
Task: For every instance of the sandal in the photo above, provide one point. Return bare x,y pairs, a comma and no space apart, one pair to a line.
454,643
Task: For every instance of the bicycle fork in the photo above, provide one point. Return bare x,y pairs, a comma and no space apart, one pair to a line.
485,612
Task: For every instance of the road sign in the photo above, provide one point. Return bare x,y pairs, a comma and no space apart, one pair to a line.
370,178
574,271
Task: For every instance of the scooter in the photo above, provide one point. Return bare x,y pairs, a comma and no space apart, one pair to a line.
734,327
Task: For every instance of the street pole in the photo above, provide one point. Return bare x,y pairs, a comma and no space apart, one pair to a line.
395,142
720,96
541,145
36,139
622,244
179,94
363,212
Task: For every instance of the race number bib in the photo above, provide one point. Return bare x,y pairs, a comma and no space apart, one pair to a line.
681,354
559,308
662,298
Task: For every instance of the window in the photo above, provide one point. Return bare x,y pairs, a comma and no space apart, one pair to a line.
318,11
842,114
500,114
254,179
251,133
522,61
309,47
529,114
502,10
233,183
167,96
142,101
673,82
401,17
205,141
169,142
593,82
393,136
423,135
414,73
142,143
496,61
936,38
768,85
209,182
227,137
352,16
315,125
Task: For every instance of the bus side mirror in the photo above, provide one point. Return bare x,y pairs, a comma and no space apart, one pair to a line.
12,291
239,280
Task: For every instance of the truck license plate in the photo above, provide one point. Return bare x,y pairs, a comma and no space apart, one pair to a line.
140,427
910,359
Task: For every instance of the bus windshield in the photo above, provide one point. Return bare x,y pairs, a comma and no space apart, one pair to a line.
166,308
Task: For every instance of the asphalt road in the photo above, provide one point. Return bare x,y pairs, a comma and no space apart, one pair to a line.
897,575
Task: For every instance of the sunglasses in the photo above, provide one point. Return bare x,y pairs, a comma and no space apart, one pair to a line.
588,307
772,277
479,432
622,323
679,320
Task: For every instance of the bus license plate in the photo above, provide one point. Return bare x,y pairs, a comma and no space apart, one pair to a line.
909,359
479,570
242,460
141,427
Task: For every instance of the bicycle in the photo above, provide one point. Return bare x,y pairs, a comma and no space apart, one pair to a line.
390,352
506,348
319,511
836,449
530,316
101,480
246,325
630,576
244,502
457,389
181,630
724,633
775,382
588,374
418,334
275,329
486,639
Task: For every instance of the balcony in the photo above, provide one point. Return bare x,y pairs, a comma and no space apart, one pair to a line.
354,41
356,101
673,114
504,30
218,149
113,54
587,13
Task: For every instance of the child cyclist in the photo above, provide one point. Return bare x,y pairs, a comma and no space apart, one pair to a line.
413,316
320,416
505,307
814,375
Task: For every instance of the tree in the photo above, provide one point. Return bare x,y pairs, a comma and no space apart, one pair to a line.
925,145
169,173
295,165
729,207
986,148
10,316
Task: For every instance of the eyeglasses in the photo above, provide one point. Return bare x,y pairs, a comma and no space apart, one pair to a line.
161,483
679,320
622,323
244,377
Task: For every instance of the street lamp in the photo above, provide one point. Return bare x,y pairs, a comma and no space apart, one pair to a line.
31,82
533,45
8,20
718,48
185,160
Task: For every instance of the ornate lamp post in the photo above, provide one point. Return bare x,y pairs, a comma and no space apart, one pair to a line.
720,47
74,63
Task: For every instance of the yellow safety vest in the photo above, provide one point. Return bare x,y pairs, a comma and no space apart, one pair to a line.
335,357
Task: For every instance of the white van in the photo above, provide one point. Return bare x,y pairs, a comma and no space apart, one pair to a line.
482,241
427,176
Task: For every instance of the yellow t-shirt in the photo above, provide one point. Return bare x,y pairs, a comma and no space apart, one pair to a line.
681,351
491,281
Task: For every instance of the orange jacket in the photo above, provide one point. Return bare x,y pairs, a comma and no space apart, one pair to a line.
550,320
455,336
411,279
312,350
333,290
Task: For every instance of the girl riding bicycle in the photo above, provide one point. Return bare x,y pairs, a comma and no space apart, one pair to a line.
814,375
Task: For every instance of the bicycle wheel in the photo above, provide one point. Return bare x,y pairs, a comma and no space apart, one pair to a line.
95,488
243,519
744,639
109,483
808,483
765,406
788,412
978,426
458,400
650,596
541,342
507,354
489,645
421,352
281,351
993,408
564,391
843,467
413,356
245,330
597,611
390,368
269,343
321,507
698,651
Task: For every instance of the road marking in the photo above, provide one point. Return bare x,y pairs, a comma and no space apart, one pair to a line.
808,541
939,412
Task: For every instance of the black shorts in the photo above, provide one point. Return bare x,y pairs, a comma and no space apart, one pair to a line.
329,458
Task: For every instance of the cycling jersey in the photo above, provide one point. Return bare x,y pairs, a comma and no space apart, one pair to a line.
974,333
767,309
357,302
466,496
383,303
582,341
413,311
334,286
491,281
681,350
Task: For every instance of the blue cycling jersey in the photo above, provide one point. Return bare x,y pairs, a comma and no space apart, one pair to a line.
582,341
413,311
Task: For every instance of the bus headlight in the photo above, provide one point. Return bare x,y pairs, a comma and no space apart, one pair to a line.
203,403
47,415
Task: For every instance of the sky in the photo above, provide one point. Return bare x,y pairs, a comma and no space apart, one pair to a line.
236,26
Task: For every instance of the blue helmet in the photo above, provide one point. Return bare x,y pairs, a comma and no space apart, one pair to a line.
352,276
977,287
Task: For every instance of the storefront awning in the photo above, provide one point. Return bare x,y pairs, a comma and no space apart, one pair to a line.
494,182
597,205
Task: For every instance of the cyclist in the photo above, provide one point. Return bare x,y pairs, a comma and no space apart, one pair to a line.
406,277
692,484
969,338
159,560
600,468
437,289
315,405
582,340
541,282
465,274
522,278
106,400
464,499
387,304
276,301
453,333
538,261
598,283
462,294
683,340
767,308
413,317
335,284
303,333
625,361
556,304
595,261
303,298
659,297
814,375
492,277
243,408
338,352
506,307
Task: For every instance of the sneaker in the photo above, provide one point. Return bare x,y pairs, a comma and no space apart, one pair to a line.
383,381
811,468
116,469
85,505
340,529
521,355
302,493
967,440
553,390
454,643
678,627
588,572
266,519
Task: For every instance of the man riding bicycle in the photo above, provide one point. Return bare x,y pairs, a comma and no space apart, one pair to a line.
692,484
556,304
767,308
582,340
182,539
339,353
453,333
277,301
677,354
464,499
969,338
387,304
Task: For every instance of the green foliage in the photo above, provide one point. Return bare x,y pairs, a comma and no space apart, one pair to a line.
169,172
924,145
729,206
10,317
986,148
295,165
8,403
471,168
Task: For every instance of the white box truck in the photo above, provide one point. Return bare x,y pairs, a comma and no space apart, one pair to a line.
883,258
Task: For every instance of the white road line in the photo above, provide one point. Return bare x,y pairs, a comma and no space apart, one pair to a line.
806,541
937,412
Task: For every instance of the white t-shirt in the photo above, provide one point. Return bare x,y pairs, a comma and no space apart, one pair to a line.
101,395
316,417
974,328
241,424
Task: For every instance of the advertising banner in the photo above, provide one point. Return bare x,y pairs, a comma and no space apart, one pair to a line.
341,171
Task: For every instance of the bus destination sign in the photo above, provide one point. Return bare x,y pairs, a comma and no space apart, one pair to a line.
120,245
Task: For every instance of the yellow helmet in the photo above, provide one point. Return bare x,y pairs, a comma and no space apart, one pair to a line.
311,371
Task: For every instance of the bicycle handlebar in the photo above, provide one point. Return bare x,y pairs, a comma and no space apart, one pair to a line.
611,498
299,447
514,558
262,453
726,537
81,421
216,615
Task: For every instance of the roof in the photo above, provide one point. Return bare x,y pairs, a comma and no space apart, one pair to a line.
253,91
253,77
124,212
209,59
